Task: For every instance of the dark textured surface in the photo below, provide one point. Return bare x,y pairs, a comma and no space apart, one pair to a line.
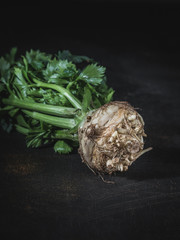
47,196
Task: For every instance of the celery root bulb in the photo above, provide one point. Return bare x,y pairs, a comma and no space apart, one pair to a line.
111,138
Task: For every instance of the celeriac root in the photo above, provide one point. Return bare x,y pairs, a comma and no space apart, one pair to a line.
111,138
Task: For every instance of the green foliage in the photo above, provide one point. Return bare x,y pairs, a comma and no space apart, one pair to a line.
62,147
36,59
76,83
87,98
59,71
10,57
66,55
93,74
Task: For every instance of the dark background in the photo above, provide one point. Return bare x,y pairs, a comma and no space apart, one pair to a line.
47,196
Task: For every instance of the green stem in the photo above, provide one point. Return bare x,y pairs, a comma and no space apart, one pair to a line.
25,130
40,107
59,134
65,135
21,129
73,100
55,121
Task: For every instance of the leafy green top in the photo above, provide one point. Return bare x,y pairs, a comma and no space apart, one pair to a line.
48,86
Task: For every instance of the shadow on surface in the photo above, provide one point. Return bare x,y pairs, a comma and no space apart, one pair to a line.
157,164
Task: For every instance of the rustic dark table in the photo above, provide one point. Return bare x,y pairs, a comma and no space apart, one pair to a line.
44,195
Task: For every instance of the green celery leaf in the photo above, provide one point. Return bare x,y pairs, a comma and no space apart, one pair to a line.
10,57
37,137
18,73
37,59
34,140
62,147
86,99
93,74
52,97
66,55
96,103
5,73
58,71
6,124
4,66
109,96
25,64
20,83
